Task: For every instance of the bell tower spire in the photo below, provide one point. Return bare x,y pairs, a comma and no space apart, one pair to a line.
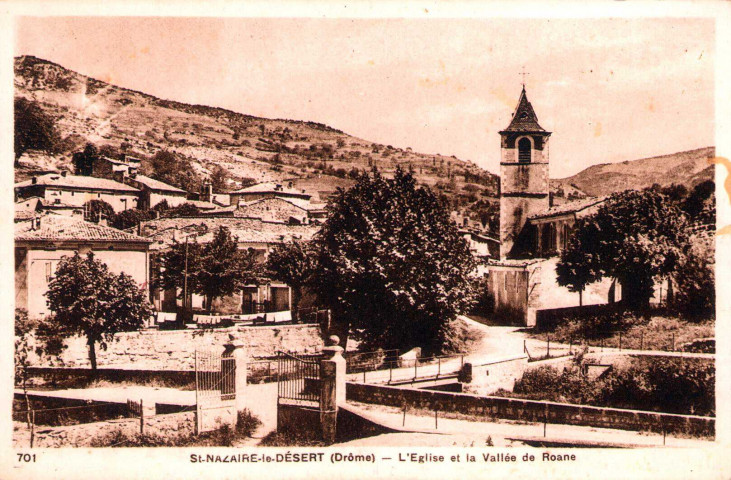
524,188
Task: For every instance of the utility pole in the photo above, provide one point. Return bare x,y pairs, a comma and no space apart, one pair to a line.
185,277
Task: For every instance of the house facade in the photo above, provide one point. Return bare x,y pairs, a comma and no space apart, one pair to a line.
75,191
41,243
253,234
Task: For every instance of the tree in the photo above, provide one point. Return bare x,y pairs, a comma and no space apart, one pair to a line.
184,210
635,237
223,269
34,129
578,267
84,161
131,218
87,299
392,266
695,279
215,269
219,179
95,210
294,264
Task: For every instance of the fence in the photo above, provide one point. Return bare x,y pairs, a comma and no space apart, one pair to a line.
215,389
298,379
386,367
550,346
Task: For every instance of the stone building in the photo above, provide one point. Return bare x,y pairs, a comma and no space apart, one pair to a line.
76,190
42,241
532,230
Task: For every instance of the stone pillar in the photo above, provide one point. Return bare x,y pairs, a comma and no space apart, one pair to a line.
235,348
332,388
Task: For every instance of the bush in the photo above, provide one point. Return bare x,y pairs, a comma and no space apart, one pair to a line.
696,283
666,385
247,423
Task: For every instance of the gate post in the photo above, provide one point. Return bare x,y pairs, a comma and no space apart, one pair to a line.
332,388
235,349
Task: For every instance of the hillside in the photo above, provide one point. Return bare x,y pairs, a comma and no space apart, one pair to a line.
249,148
687,168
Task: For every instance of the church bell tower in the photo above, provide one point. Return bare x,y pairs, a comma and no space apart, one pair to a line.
524,187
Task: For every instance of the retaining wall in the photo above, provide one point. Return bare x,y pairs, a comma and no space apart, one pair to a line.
487,378
530,410
168,426
175,349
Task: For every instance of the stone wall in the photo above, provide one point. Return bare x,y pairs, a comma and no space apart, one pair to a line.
530,410
487,378
175,349
168,426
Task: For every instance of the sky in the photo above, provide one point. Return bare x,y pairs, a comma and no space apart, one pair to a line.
609,89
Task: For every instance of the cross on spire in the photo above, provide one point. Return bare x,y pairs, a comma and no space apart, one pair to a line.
523,73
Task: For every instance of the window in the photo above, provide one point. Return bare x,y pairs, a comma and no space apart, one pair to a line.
49,271
524,149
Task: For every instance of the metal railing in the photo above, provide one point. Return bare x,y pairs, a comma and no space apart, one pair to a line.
389,368
298,379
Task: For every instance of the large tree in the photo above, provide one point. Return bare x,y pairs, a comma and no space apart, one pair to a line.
34,129
635,237
293,263
87,299
392,266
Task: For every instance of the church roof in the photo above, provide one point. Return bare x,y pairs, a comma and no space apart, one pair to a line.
524,117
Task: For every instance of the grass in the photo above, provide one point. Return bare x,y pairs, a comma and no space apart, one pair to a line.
225,436
660,332
277,439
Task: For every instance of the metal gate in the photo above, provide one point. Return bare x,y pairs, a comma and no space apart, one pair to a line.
298,379
215,390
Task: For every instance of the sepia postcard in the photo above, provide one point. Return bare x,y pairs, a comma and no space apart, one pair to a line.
365,240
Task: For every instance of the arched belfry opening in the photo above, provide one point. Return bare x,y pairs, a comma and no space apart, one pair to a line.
524,148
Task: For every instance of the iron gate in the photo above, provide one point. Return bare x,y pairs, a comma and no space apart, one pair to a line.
298,379
215,390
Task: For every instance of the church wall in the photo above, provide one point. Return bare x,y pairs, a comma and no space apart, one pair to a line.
514,213
509,288
525,177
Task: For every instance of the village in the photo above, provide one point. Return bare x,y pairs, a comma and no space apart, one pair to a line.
262,313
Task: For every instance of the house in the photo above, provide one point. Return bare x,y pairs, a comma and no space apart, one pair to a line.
42,241
253,234
34,206
154,191
268,209
151,191
75,190
270,190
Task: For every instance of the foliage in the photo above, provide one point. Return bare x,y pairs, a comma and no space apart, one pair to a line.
635,237
700,205
695,278
247,423
89,300
393,267
184,210
131,218
95,210
168,167
219,179
577,267
670,385
216,269
294,264
34,129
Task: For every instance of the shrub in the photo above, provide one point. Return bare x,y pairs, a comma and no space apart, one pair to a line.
247,423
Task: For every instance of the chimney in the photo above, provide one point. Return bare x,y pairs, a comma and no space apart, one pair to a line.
64,173
36,223
290,184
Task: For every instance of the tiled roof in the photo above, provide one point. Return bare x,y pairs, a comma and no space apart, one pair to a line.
524,117
201,205
60,228
272,187
156,184
569,207
77,181
164,231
